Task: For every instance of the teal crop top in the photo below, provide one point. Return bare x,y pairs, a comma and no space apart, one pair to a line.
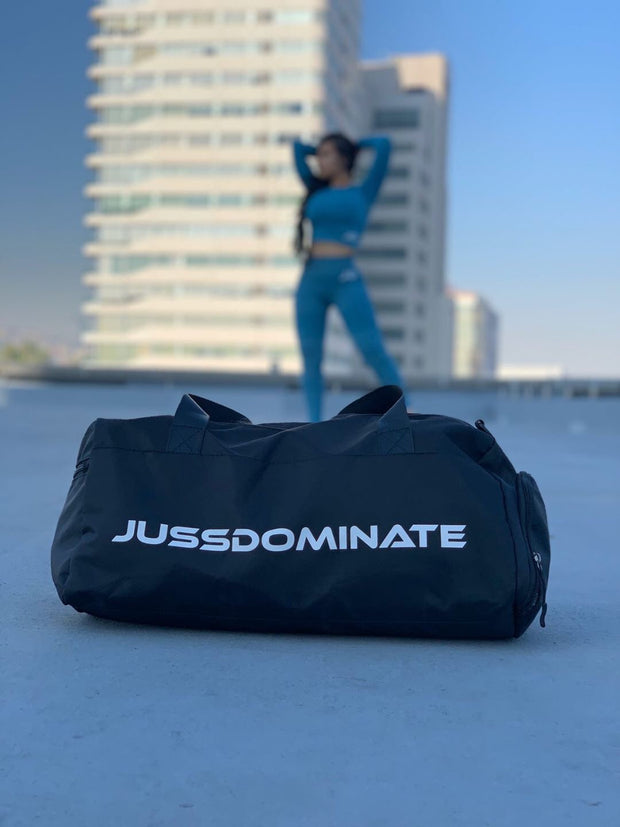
340,213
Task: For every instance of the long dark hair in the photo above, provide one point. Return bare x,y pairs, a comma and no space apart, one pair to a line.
347,149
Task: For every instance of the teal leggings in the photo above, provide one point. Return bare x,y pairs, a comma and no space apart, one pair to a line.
338,281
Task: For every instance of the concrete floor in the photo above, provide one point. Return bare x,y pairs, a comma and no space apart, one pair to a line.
110,724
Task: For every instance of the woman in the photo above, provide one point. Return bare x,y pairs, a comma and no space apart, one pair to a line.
338,211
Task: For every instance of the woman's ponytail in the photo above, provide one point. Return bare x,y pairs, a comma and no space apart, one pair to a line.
300,242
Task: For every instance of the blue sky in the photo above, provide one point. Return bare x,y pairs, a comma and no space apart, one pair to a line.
533,165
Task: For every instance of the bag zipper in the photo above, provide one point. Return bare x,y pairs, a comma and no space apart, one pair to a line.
543,611
534,554
536,557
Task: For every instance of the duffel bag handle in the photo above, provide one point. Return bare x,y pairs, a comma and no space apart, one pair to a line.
196,410
194,413
192,416
393,427
387,400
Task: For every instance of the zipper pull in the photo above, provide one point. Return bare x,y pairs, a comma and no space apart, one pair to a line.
543,613
479,423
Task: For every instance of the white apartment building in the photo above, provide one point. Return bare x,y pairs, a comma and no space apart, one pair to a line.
195,197
475,327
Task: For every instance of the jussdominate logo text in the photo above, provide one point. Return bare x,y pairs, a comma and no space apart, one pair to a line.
344,537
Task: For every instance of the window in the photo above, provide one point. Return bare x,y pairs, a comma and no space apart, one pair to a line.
129,264
285,137
173,79
199,140
175,19
294,106
201,80
230,198
202,19
295,76
296,16
283,261
388,226
126,114
385,280
389,306
383,252
117,56
226,109
398,172
393,198
297,46
118,204
232,17
396,118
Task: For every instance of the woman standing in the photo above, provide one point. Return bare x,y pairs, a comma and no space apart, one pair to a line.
338,211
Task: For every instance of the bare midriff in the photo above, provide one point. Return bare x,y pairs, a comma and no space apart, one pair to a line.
324,249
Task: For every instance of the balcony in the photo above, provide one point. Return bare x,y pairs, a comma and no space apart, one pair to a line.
182,124
213,335
209,33
310,61
241,276
258,310
286,186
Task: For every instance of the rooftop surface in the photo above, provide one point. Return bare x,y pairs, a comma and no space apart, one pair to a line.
114,724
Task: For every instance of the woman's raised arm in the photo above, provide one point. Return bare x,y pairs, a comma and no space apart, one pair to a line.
375,175
300,151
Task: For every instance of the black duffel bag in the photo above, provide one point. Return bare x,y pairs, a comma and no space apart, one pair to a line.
376,521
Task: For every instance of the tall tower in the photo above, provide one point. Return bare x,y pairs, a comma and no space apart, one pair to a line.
194,193
402,253
475,335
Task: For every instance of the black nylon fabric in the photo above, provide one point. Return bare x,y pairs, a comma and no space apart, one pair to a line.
374,522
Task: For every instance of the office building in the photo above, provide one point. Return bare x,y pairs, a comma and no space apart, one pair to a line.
402,252
195,198
194,195
475,327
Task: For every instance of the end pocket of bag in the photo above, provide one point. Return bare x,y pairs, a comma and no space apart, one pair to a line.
533,516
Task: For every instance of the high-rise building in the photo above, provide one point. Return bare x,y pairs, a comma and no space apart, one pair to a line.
402,252
475,328
195,196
